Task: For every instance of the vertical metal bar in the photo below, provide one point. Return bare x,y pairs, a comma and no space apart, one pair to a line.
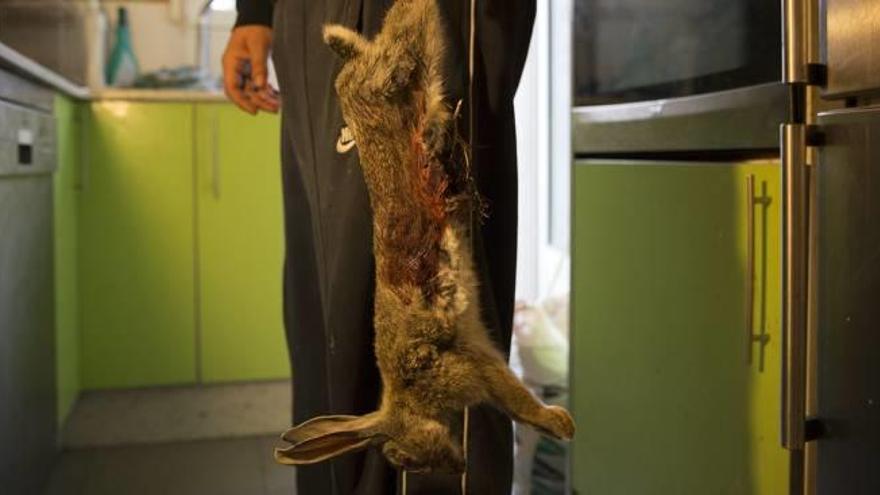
811,397
750,265
197,247
795,41
471,124
215,156
81,124
464,447
793,147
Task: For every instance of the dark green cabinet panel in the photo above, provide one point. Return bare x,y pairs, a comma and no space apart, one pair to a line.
241,245
663,393
136,250
180,246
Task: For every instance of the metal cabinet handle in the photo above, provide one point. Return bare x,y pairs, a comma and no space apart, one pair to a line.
83,123
794,282
750,265
215,157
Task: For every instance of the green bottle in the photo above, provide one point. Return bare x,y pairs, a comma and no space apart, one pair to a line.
122,68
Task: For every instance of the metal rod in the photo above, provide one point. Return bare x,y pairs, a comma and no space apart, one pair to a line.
795,45
215,157
793,147
750,265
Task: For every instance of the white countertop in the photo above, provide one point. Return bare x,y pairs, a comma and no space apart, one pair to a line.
24,66
181,95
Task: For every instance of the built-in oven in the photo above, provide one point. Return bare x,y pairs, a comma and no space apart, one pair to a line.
677,75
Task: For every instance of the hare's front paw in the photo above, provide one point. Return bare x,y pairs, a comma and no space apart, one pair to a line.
558,423
397,456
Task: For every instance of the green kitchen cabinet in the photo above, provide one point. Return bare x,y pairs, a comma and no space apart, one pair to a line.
66,216
240,245
180,246
670,300
137,246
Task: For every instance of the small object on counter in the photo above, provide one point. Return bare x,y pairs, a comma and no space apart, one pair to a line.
186,77
122,68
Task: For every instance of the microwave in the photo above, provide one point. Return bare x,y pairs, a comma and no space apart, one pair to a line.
675,76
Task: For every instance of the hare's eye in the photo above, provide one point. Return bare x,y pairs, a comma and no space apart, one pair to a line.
395,79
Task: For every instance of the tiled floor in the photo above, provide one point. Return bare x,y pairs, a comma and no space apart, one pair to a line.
209,467
177,414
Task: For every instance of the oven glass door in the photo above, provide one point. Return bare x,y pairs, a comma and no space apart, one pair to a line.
636,50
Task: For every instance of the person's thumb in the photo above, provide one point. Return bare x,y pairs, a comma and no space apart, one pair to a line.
259,58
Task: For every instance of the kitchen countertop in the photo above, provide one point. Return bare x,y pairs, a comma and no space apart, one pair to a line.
181,95
23,66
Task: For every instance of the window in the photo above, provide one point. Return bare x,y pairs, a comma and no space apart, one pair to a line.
223,5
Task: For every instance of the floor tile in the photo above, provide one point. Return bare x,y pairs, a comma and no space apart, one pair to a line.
174,414
280,480
69,474
242,466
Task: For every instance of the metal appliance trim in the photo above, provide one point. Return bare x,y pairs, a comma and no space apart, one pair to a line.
17,90
867,110
666,162
848,38
795,42
793,144
738,119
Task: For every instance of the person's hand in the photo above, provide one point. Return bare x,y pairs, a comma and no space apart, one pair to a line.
245,73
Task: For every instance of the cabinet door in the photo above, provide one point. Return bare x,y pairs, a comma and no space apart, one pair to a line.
241,245
136,246
663,392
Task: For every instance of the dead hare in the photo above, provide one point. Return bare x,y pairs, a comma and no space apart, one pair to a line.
433,351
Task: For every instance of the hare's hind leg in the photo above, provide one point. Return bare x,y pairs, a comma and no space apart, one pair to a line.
511,396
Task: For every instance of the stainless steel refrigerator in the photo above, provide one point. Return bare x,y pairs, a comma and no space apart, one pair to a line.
845,392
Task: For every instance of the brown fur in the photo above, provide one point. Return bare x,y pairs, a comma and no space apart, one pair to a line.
432,348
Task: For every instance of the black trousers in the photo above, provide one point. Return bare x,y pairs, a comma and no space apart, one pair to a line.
329,269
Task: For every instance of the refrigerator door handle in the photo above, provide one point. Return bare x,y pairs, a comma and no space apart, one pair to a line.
793,141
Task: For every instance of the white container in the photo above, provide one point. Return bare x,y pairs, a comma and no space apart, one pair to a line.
214,28
96,41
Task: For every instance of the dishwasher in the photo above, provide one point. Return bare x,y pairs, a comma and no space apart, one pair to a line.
28,159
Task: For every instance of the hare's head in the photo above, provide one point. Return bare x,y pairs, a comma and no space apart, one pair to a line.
391,87
417,446
425,446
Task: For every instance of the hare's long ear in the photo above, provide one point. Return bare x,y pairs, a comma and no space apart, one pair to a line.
326,437
345,42
438,114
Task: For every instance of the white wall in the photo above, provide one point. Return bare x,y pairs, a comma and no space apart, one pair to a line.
530,106
165,34
543,106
